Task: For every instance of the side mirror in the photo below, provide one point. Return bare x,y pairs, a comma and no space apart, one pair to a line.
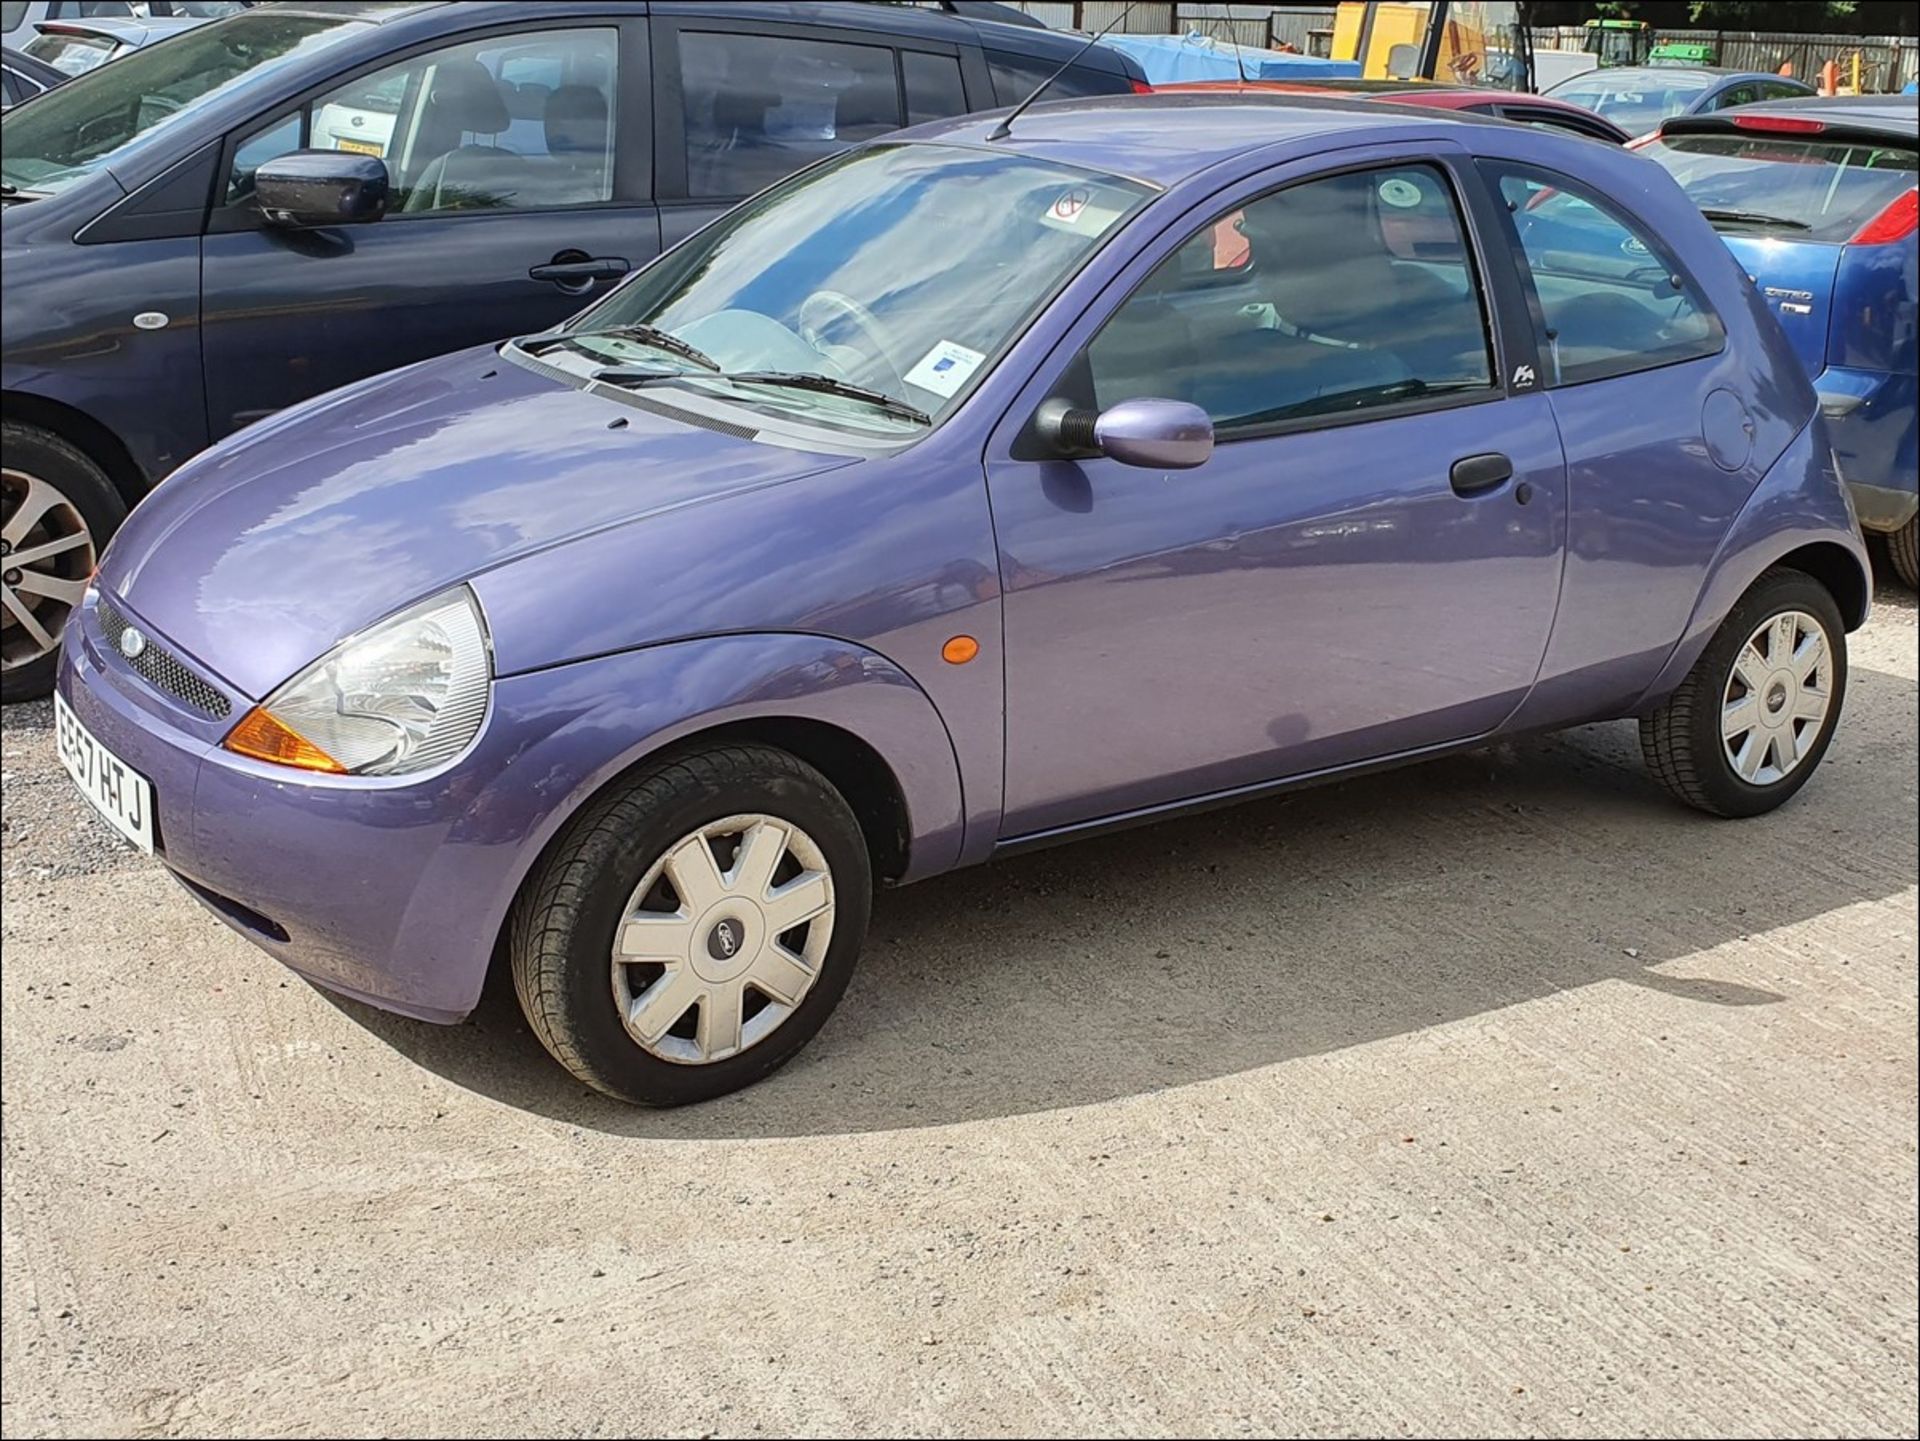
322,187
1152,434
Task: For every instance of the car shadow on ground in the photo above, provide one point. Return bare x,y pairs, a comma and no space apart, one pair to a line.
1326,919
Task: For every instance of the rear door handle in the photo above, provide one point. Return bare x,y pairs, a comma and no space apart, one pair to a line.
1478,474
581,272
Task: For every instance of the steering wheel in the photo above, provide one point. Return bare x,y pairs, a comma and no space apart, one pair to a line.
823,309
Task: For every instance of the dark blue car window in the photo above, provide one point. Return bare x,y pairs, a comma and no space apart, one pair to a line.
93,120
1357,292
1015,77
1610,300
511,122
759,107
933,86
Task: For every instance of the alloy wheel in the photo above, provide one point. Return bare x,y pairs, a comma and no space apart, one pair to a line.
722,939
1777,698
47,558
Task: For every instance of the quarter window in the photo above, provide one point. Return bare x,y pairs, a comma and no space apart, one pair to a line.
521,122
933,86
758,107
1356,293
1015,77
1610,300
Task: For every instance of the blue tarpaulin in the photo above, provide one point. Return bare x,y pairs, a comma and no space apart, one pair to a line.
1169,59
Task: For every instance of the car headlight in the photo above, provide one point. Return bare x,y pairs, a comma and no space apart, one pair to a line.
406,696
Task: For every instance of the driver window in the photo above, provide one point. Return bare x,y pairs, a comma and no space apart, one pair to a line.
515,122
1609,303
1328,298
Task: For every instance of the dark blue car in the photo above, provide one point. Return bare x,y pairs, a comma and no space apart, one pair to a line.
1638,97
1817,200
171,275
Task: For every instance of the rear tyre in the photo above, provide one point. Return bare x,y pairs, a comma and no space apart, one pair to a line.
1754,717
1903,549
694,927
57,511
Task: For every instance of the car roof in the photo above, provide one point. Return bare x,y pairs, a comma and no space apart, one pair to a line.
1877,114
1658,72
1415,92
1165,137
991,33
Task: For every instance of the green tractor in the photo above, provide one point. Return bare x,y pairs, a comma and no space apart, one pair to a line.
1618,42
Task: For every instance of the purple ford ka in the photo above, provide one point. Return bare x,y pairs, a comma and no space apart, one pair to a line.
962,494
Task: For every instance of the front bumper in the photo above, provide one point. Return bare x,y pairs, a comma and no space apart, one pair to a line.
389,892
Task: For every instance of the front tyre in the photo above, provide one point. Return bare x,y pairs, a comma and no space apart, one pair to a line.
1753,718
57,512
694,926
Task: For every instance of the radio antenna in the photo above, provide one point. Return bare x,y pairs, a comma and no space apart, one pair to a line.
1005,128
1239,55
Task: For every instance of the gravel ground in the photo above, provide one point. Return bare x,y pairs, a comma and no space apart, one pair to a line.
1498,1095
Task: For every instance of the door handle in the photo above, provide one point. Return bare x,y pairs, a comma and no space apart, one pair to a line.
1478,474
581,272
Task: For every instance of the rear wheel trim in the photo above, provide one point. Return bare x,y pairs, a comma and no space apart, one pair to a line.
47,558
722,939
1777,698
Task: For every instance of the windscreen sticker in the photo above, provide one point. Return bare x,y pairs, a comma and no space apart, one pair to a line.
1401,194
945,368
1078,209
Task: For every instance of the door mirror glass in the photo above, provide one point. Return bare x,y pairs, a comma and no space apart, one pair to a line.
322,187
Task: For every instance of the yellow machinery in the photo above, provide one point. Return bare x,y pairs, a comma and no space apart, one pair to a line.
1459,43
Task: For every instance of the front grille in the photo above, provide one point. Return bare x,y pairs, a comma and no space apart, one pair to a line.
161,667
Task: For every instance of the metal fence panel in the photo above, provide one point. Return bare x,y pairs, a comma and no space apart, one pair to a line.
1887,62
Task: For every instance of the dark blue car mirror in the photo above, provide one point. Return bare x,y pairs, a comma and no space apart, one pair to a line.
322,187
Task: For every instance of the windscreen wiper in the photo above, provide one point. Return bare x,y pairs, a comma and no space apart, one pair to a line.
827,385
636,378
1753,217
651,335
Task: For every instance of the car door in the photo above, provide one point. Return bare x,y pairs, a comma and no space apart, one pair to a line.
1368,563
520,162
1657,419
742,102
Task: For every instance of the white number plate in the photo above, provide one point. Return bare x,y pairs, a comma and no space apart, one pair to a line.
117,791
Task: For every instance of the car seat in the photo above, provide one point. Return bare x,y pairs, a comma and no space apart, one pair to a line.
576,171
465,100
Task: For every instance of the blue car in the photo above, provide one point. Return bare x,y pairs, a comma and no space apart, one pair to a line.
1638,97
1817,200
175,266
953,498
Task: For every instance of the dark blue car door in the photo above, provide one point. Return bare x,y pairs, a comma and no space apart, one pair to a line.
521,164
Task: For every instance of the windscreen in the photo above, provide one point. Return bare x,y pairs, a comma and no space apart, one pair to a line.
1794,186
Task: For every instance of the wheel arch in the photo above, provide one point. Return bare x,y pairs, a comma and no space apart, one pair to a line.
846,710
84,433
1798,517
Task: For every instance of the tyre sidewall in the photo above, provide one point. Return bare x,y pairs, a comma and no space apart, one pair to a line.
87,487
1785,591
620,859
